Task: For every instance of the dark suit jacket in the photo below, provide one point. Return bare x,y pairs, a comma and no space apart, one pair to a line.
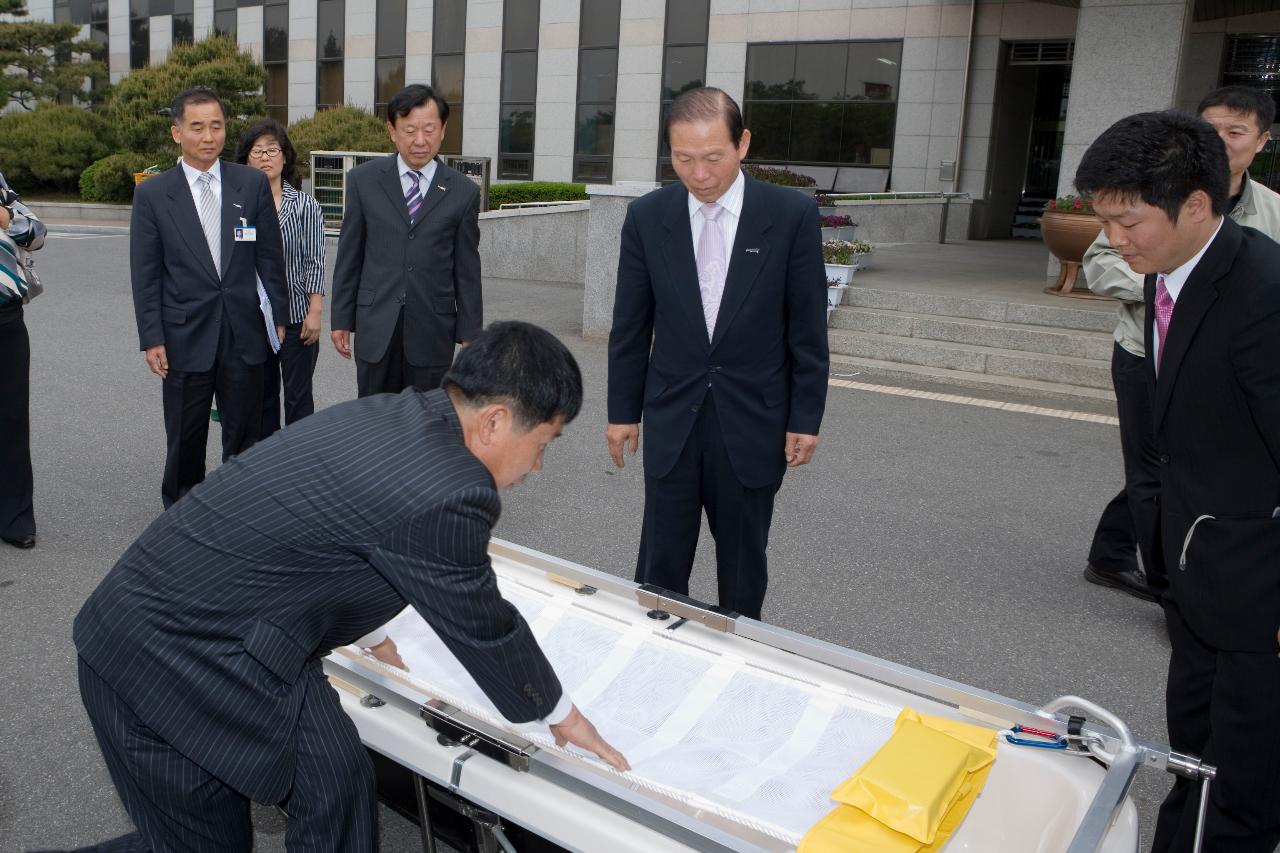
307,541
768,363
178,297
1217,426
431,268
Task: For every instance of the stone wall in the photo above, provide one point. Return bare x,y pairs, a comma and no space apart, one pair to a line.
535,244
910,220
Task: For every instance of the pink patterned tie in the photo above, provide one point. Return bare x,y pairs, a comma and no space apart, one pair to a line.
1164,315
711,265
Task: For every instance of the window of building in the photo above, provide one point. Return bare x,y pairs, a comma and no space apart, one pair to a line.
275,58
597,91
390,46
448,65
684,65
224,18
330,38
519,88
823,103
184,27
139,34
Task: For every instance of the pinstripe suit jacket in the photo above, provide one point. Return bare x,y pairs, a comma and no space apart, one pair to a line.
310,539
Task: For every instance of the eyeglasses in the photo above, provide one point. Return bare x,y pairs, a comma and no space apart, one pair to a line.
259,153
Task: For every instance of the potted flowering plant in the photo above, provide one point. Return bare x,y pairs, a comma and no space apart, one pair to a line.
862,251
837,227
838,255
1068,227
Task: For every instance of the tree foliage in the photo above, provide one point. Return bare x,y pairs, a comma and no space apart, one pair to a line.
46,62
48,147
139,107
339,129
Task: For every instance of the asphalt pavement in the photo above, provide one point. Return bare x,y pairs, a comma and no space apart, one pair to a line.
941,536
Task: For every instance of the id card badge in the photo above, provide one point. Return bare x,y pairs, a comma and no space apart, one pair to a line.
246,233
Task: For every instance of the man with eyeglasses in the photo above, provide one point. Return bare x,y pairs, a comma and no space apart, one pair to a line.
407,279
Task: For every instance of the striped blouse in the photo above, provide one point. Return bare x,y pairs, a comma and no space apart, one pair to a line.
24,227
302,227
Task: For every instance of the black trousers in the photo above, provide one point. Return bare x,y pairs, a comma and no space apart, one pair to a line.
17,513
1223,707
1128,523
178,805
739,519
295,364
188,398
394,373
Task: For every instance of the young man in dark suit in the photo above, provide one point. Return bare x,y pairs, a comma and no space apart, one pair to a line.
201,237
1159,183
719,341
407,278
200,652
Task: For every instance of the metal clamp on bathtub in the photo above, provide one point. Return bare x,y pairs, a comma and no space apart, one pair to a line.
464,730
657,600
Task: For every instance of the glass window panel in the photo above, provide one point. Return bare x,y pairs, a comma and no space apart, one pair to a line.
249,3
224,23
517,167
98,11
99,33
666,173
183,7
770,126
868,134
330,28
771,70
184,29
664,150
154,7
139,43
873,71
597,75
594,133
684,68
223,5
450,26
520,77
592,170
687,21
138,9
520,25
599,23
276,90
390,78
515,130
329,85
452,143
275,28
820,70
391,27
815,132
279,112
61,12
80,11
446,77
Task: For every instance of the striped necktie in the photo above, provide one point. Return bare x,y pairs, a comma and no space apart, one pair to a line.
211,219
413,196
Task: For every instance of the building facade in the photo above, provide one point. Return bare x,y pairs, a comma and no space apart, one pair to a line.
994,99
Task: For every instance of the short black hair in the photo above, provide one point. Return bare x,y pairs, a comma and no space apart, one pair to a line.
270,127
196,95
706,103
1243,99
410,98
522,365
1161,158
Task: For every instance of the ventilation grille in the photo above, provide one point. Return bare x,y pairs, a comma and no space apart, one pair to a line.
1042,52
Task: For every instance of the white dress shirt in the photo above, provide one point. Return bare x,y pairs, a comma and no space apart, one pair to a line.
1174,282
193,175
428,175
731,201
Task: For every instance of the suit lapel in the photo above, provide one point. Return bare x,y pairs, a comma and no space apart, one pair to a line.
233,207
434,194
749,253
390,182
682,266
1194,302
187,219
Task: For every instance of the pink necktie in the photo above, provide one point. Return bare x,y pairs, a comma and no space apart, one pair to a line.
1164,314
711,265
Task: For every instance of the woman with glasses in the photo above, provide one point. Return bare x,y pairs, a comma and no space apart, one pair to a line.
266,146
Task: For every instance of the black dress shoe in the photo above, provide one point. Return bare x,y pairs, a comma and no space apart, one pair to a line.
23,542
1131,581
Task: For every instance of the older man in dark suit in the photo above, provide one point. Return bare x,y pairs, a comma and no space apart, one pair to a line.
722,349
201,237
1159,184
407,278
200,651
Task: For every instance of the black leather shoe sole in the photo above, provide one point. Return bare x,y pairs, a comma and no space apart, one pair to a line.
1130,581
23,542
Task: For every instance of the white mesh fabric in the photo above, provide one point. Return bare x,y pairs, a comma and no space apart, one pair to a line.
755,747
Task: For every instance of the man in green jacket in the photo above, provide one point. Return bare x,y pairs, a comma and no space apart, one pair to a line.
1242,117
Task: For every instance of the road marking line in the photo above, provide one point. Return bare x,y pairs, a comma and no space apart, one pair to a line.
1021,408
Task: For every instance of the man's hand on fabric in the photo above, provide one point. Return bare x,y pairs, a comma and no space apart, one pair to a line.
620,437
799,448
387,652
578,730
158,361
341,342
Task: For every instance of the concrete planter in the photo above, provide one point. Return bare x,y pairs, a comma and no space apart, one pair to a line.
910,220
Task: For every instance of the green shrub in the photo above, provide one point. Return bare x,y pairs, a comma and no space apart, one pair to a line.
111,178
527,191
783,177
50,146
339,129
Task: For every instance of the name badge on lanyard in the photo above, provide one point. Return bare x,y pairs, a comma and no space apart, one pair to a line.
246,233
